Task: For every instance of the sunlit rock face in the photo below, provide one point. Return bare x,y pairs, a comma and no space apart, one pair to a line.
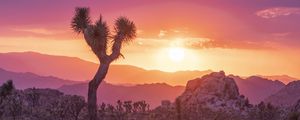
213,96
213,85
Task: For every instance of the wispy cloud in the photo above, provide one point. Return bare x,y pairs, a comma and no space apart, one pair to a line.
230,44
36,31
202,43
277,12
162,33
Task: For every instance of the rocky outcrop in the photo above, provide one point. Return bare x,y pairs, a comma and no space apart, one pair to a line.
214,85
214,96
217,97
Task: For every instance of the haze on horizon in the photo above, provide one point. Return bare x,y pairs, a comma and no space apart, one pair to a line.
240,37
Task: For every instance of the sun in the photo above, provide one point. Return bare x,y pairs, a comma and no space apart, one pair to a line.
176,54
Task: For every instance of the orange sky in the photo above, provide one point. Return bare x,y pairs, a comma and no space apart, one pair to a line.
257,37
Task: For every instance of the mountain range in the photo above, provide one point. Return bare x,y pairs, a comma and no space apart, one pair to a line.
72,68
124,82
30,80
255,88
287,96
283,78
108,93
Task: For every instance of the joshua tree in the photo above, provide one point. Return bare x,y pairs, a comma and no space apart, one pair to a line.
98,37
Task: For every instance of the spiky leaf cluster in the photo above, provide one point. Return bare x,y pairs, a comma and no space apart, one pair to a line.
81,19
125,28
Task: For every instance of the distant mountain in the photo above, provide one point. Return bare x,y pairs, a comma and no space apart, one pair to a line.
29,80
287,96
256,88
108,93
122,74
80,70
48,65
283,78
71,68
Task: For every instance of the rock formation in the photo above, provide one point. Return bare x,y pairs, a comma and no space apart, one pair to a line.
214,96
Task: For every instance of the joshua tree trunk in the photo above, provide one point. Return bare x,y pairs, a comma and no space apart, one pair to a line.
93,86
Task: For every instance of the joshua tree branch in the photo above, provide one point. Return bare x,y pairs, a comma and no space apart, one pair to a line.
116,48
91,39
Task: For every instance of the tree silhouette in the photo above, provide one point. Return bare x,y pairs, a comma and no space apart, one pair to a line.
5,90
99,38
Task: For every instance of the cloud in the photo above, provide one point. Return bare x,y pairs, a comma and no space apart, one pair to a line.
202,43
162,33
282,34
278,11
36,31
207,43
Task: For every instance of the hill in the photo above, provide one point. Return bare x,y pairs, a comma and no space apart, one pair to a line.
283,78
80,70
152,93
108,93
30,80
256,89
287,96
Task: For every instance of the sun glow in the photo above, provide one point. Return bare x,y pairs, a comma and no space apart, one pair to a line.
176,54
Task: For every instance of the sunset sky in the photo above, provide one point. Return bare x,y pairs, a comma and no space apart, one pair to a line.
243,37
